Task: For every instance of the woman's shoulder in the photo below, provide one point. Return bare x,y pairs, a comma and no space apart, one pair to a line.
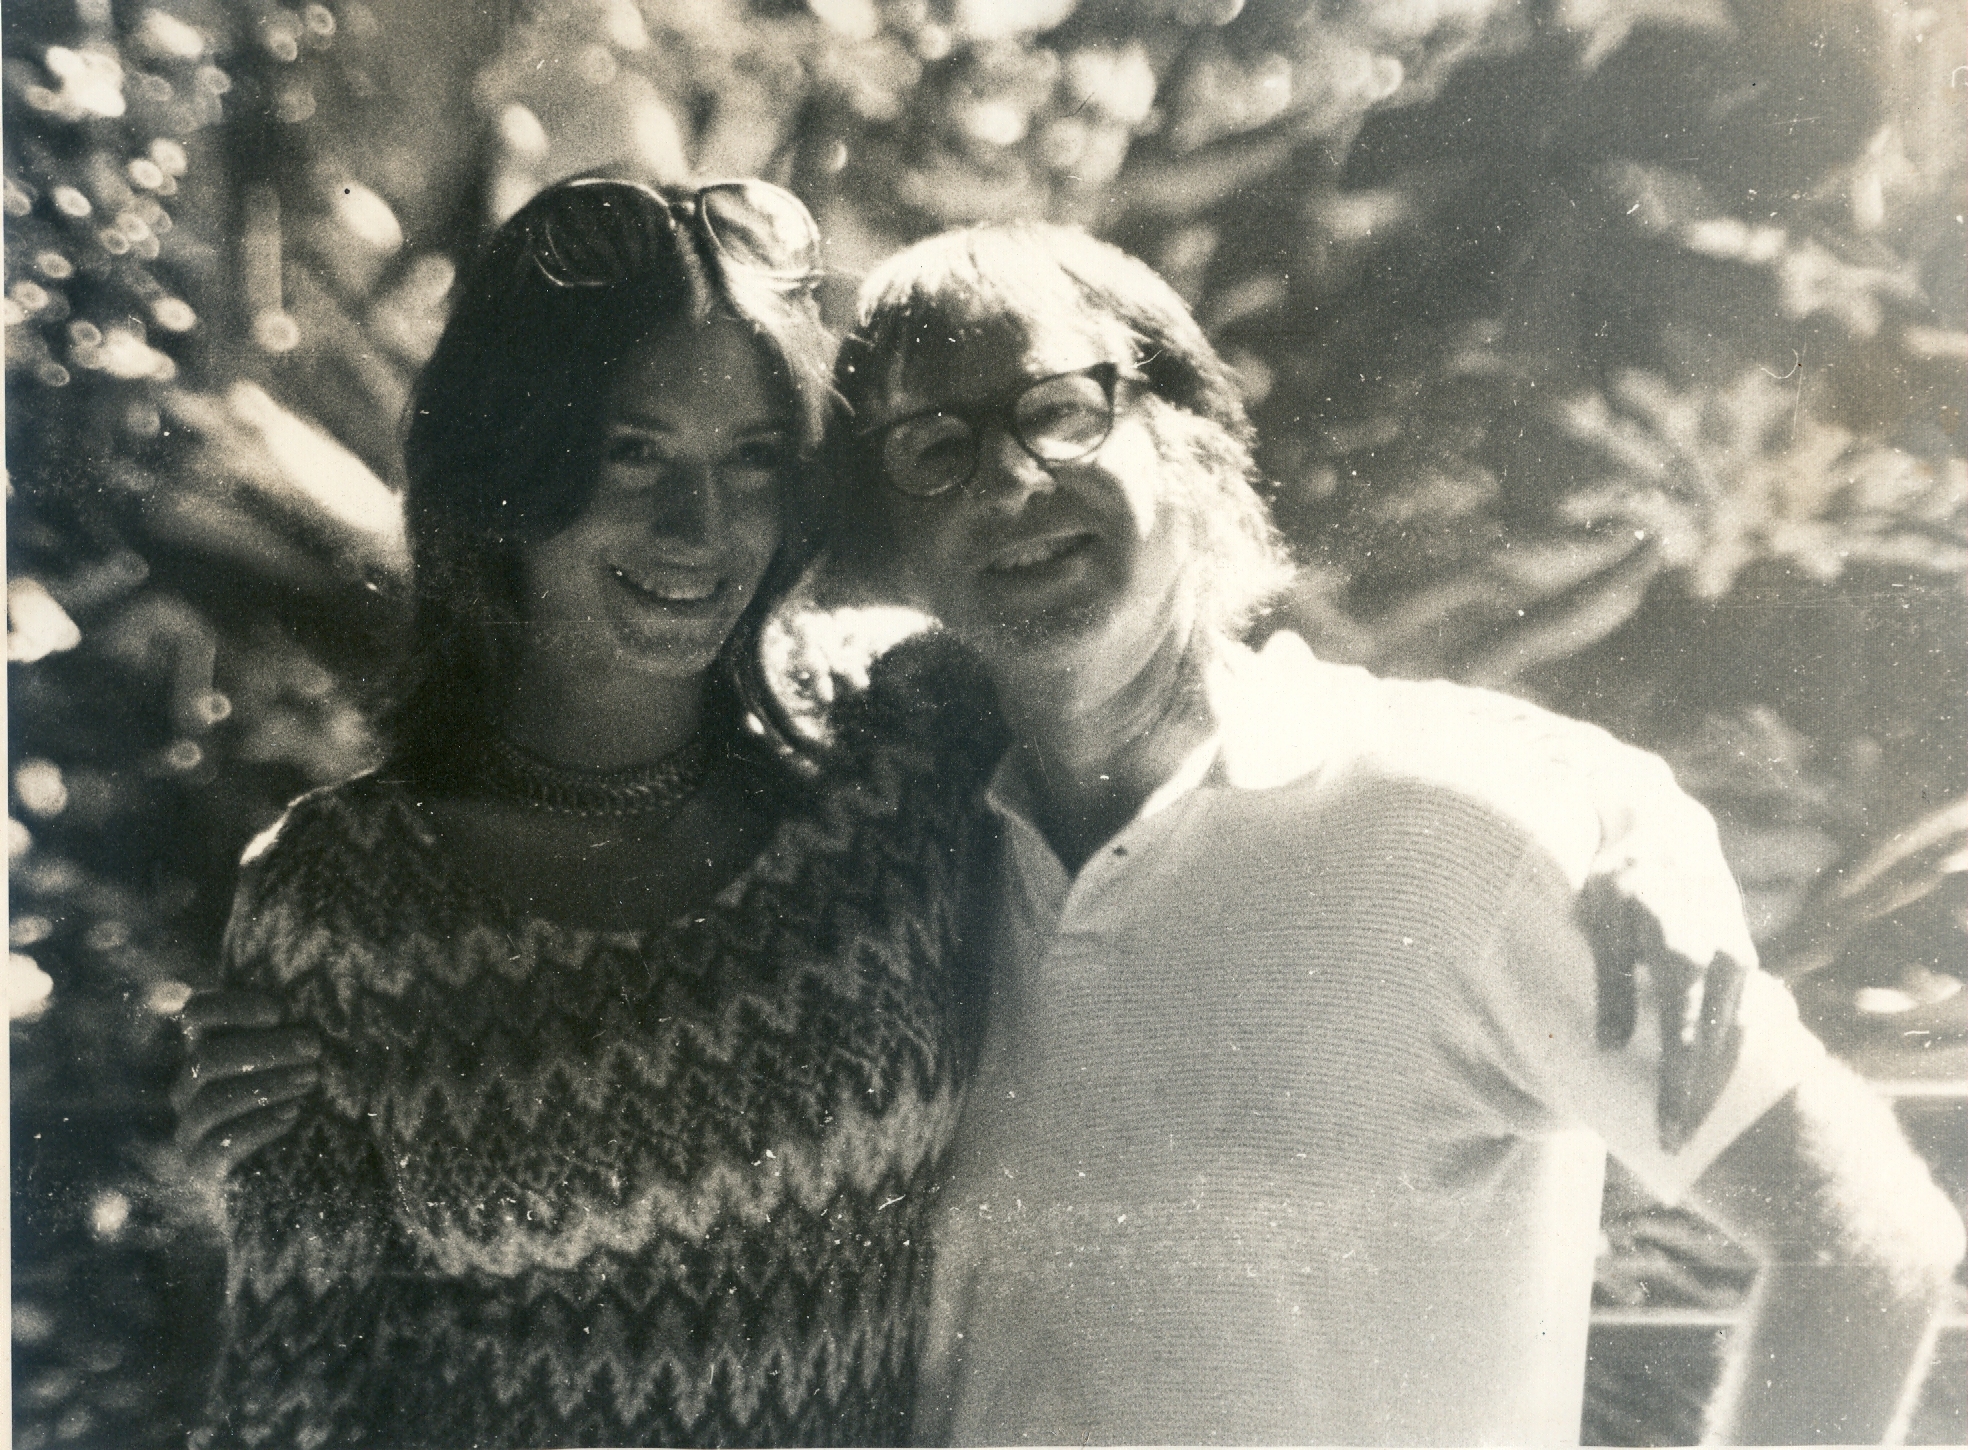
927,705
889,826
851,683
353,859
361,815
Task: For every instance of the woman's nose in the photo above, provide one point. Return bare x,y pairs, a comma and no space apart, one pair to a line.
691,509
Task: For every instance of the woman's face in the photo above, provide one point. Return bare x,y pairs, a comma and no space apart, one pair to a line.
698,440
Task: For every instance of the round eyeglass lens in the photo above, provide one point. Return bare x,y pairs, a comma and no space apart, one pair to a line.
1063,418
762,228
929,455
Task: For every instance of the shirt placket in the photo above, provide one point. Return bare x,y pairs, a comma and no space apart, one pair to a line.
1093,903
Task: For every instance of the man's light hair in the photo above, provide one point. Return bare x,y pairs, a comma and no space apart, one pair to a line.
960,283
1238,558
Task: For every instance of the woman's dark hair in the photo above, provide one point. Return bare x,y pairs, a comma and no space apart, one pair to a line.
503,444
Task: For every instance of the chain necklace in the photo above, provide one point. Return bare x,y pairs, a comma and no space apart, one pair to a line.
658,788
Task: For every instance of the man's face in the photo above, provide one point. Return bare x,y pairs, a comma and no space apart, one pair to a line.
1080,565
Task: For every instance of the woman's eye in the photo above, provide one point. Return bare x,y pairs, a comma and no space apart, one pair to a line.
630,448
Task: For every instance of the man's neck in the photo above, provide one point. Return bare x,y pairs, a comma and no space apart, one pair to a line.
1090,764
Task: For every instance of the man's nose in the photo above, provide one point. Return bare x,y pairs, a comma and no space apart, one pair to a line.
1006,474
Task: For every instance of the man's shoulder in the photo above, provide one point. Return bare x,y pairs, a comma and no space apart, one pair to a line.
1292,711
1598,807
1296,723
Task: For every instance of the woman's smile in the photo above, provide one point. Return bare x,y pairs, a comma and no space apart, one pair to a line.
669,586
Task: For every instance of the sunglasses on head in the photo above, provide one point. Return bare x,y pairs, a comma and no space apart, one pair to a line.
598,231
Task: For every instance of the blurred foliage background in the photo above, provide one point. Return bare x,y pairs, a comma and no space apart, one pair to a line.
1607,351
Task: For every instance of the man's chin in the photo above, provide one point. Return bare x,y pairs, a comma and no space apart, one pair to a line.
1029,645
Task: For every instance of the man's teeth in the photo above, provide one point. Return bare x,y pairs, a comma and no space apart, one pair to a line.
1038,551
669,589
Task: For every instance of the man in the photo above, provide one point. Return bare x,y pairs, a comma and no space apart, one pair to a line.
1294,1099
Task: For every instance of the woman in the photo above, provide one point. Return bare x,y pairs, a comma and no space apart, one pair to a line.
635,1048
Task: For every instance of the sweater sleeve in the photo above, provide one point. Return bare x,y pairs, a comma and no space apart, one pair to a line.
1536,1008
308,1226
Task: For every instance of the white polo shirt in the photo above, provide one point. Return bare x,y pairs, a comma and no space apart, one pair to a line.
1290,1123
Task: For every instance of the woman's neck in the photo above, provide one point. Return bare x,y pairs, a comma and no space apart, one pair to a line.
608,722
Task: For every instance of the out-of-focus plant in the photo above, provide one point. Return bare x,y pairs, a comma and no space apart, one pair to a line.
196,571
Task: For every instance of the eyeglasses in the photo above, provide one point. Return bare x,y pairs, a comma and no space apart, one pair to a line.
1056,419
596,231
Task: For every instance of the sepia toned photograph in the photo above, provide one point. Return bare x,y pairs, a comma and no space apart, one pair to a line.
986,722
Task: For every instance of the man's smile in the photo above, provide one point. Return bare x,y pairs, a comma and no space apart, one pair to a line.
1025,556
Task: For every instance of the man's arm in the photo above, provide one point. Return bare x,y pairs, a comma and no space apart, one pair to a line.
1654,894
1857,1247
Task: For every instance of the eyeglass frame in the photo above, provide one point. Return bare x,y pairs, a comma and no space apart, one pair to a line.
1001,409
542,253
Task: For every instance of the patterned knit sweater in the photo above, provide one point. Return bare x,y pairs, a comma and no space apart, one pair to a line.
575,1187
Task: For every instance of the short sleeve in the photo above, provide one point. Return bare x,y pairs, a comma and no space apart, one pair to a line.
1538,991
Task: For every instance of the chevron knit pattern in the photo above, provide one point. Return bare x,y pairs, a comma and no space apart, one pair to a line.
571,1187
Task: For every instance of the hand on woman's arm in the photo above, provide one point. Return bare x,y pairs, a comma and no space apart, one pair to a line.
1696,989
244,1082
306,1224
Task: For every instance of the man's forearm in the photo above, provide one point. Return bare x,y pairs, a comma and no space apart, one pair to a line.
1859,1249
1830,1353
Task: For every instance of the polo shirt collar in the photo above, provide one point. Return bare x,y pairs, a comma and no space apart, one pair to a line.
1010,797
1278,719
1242,750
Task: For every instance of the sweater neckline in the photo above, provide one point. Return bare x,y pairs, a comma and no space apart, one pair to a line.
474,899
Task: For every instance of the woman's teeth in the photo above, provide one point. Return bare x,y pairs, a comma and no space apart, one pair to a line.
668,588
